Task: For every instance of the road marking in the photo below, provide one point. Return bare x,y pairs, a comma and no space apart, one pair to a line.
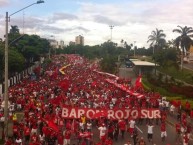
138,129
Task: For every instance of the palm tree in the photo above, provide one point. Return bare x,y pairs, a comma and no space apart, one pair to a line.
184,40
157,39
122,41
14,30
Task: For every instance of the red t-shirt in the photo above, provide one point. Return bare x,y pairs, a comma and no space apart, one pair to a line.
8,142
191,114
177,128
185,137
122,125
60,139
26,131
67,134
34,138
15,129
163,127
108,142
34,143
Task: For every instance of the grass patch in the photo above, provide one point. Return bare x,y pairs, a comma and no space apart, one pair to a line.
184,75
148,86
164,92
1,142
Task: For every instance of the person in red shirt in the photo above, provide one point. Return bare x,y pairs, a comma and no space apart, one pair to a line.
27,133
9,141
67,135
191,114
108,141
15,130
110,131
122,127
163,131
187,107
178,132
46,131
98,143
60,139
185,139
34,143
188,130
34,137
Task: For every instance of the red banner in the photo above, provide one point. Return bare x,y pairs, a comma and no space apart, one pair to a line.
68,112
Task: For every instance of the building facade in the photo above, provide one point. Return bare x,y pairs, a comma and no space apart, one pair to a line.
79,40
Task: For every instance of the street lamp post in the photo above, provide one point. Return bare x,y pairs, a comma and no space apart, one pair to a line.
55,43
6,66
134,48
111,27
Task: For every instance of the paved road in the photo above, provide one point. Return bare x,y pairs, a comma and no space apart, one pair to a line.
126,73
188,65
156,137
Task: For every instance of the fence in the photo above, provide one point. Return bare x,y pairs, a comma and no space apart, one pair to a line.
16,79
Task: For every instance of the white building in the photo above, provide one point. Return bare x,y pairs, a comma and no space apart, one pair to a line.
61,45
79,40
53,43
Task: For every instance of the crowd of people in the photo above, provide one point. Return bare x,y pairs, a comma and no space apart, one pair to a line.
73,81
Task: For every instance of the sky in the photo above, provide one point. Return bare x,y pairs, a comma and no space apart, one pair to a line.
133,20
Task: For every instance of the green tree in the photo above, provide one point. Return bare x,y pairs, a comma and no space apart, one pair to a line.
1,61
157,40
108,64
16,61
184,40
14,30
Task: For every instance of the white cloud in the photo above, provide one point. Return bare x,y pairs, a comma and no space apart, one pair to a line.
4,3
133,20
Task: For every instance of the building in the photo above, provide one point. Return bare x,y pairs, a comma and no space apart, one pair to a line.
79,40
143,67
191,53
53,43
72,43
61,44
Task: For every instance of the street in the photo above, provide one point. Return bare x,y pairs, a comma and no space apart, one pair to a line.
156,136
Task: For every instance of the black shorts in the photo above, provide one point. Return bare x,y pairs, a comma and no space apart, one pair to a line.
149,136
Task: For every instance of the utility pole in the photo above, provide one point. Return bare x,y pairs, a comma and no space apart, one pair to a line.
111,27
6,95
134,48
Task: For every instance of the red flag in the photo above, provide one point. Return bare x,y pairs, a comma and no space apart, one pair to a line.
64,84
138,83
191,114
175,103
52,125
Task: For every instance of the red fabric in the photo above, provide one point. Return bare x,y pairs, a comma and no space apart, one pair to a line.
163,127
138,83
191,114
34,143
67,134
27,131
9,142
60,139
122,125
108,142
64,85
187,105
53,126
34,138
178,127
186,138
15,129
